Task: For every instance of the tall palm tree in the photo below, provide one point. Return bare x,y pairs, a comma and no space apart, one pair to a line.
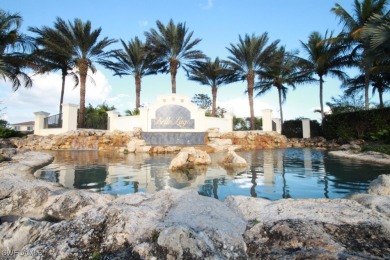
284,71
380,83
353,23
49,59
248,57
133,60
324,58
214,74
86,50
12,62
171,47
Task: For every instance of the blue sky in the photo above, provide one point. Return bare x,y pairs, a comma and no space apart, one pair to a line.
217,22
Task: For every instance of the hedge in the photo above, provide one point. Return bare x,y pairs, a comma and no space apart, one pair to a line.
365,124
293,128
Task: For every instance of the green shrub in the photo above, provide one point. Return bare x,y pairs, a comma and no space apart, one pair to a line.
381,148
7,133
366,124
293,128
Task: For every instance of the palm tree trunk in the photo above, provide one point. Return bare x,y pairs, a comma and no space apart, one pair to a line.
251,84
380,94
62,91
280,107
83,70
214,94
366,87
321,101
173,70
137,91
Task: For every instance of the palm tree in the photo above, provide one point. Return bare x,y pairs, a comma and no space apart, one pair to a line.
380,83
86,50
13,62
283,71
132,60
249,57
49,59
214,74
352,32
171,48
324,58
377,32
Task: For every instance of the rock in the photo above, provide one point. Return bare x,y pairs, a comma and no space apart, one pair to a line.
6,143
200,227
365,156
233,160
188,157
380,186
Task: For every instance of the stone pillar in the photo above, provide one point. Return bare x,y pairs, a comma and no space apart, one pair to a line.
40,121
306,128
69,117
112,117
278,124
267,119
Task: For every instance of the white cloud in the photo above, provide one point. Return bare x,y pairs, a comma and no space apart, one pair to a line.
45,96
209,5
143,23
240,106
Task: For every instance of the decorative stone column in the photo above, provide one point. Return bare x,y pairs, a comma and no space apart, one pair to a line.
39,121
267,119
306,128
69,117
278,124
112,118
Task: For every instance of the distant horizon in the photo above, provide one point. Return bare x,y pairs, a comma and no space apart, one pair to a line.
210,20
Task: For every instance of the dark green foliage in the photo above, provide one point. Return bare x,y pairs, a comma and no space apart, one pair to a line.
202,101
7,133
243,124
96,117
381,148
293,128
359,124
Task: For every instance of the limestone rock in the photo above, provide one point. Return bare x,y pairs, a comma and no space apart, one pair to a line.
233,160
380,186
188,157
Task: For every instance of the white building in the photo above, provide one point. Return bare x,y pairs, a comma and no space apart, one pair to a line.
24,126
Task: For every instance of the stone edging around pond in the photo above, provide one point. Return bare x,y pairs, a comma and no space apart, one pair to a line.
131,141
50,222
369,156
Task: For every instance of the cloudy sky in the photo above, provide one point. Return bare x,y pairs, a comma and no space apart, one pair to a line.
217,22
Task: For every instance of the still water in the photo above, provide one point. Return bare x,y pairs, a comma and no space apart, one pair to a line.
273,174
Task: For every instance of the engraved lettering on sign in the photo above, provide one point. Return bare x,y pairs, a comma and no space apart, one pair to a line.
173,117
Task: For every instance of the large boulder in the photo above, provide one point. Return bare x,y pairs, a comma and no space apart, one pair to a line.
380,186
233,160
188,158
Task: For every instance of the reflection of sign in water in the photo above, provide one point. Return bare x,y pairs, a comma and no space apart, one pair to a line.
173,117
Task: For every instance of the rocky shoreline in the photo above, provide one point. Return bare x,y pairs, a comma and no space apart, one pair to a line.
41,220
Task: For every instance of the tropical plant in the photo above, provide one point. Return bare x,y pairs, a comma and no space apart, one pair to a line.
380,83
132,60
248,58
12,62
214,74
202,100
284,71
86,50
377,32
324,58
96,117
348,102
171,47
353,33
49,59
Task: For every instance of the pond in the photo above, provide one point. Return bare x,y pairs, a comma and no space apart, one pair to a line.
273,174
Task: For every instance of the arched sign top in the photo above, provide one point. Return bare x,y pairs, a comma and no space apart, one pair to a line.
173,117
